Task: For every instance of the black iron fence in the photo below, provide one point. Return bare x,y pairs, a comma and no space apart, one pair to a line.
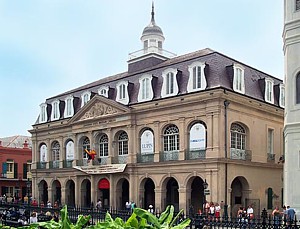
264,221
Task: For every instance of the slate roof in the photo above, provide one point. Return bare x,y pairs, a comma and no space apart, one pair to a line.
218,70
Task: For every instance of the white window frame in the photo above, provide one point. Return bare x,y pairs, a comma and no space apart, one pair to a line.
43,115
69,109
55,114
239,78
122,96
166,83
123,146
203,83
282,95
146,90
10,169
269,90
103,89
86,94
270,141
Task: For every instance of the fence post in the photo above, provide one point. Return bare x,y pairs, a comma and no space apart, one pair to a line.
264,216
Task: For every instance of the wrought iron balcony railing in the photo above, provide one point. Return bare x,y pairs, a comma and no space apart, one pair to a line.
41,165
120,159
67,163
169,155
145,158
240,154
54,164
195,154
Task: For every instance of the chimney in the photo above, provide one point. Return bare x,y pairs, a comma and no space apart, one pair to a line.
25,145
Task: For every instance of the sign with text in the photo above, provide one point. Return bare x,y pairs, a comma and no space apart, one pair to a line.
43,153
70,151
198,137
147,142
102,169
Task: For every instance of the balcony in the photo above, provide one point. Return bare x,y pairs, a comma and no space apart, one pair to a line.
149,50
120,159
67,163
195,154
271,157
41,165
239,154
82,162
145,158
169,156
53,164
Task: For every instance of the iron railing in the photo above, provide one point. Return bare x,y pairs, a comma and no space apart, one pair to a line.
67,163
169,155
240,154
41,165
145,158
195,154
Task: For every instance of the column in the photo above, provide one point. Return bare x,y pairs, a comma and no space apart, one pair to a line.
209,123
49,152
218,131
112,192
62,152
160,195
63,196
93,190
76,152
131,144
110,146
182,136
183,200
50,196
77,192
157,140
35,158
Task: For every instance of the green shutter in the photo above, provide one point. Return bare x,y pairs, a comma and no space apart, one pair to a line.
4,168
24,170
270,198
15,170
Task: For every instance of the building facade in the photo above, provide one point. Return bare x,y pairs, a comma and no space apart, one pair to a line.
15,180
291,39
160,131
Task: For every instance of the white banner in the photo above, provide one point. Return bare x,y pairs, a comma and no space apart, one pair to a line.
70,150
43,153
198,137
147,142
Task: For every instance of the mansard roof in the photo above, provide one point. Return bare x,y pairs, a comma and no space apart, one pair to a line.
218,71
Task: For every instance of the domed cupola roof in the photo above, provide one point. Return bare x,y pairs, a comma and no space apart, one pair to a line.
152,28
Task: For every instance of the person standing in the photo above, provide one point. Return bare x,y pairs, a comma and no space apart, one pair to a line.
250,212
290,212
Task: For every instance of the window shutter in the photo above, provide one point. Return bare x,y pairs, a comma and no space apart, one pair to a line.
24,170
4,168
15,170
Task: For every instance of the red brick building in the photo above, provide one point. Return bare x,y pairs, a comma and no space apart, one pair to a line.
15,168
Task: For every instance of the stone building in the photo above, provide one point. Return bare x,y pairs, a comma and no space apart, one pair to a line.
291,48
161,130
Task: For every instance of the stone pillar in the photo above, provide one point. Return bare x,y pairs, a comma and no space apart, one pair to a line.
62,152
35,155
112,192
209,131
217,132
63,196
110,146
183,200
50,196
77,192
182,137
160,195
157,141
93,190
49,152
131,144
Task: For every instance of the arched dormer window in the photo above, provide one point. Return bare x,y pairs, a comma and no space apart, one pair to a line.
69,108
269,92
298,88
103,91
238,78
55,110
122,92
145,91
169,87
43,113
197,79
282,95
85,97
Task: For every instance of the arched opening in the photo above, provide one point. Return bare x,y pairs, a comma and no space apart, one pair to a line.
56,192
103,192
197,195
70,193
122,193
43,192
172,194
239,193
86,193
149,194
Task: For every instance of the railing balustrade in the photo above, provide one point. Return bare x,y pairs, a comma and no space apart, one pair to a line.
240,154
195,154
169,155
145,158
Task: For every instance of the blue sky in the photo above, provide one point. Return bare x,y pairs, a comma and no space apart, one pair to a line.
50,46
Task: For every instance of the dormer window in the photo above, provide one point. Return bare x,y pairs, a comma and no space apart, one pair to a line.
145,91
85,97
43,114
122,93
103,91
238,79
197,80
269,95
282,95
55,110
69,109
170,86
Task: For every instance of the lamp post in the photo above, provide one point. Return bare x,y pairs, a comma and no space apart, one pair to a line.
28,184
205,186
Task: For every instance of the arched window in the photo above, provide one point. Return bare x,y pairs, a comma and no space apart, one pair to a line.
197,137
103,146
55,154
86,146
298,89
147,142
43,153
123,143
70,152
171,138
238,137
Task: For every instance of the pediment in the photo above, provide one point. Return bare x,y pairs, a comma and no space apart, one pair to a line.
99,107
